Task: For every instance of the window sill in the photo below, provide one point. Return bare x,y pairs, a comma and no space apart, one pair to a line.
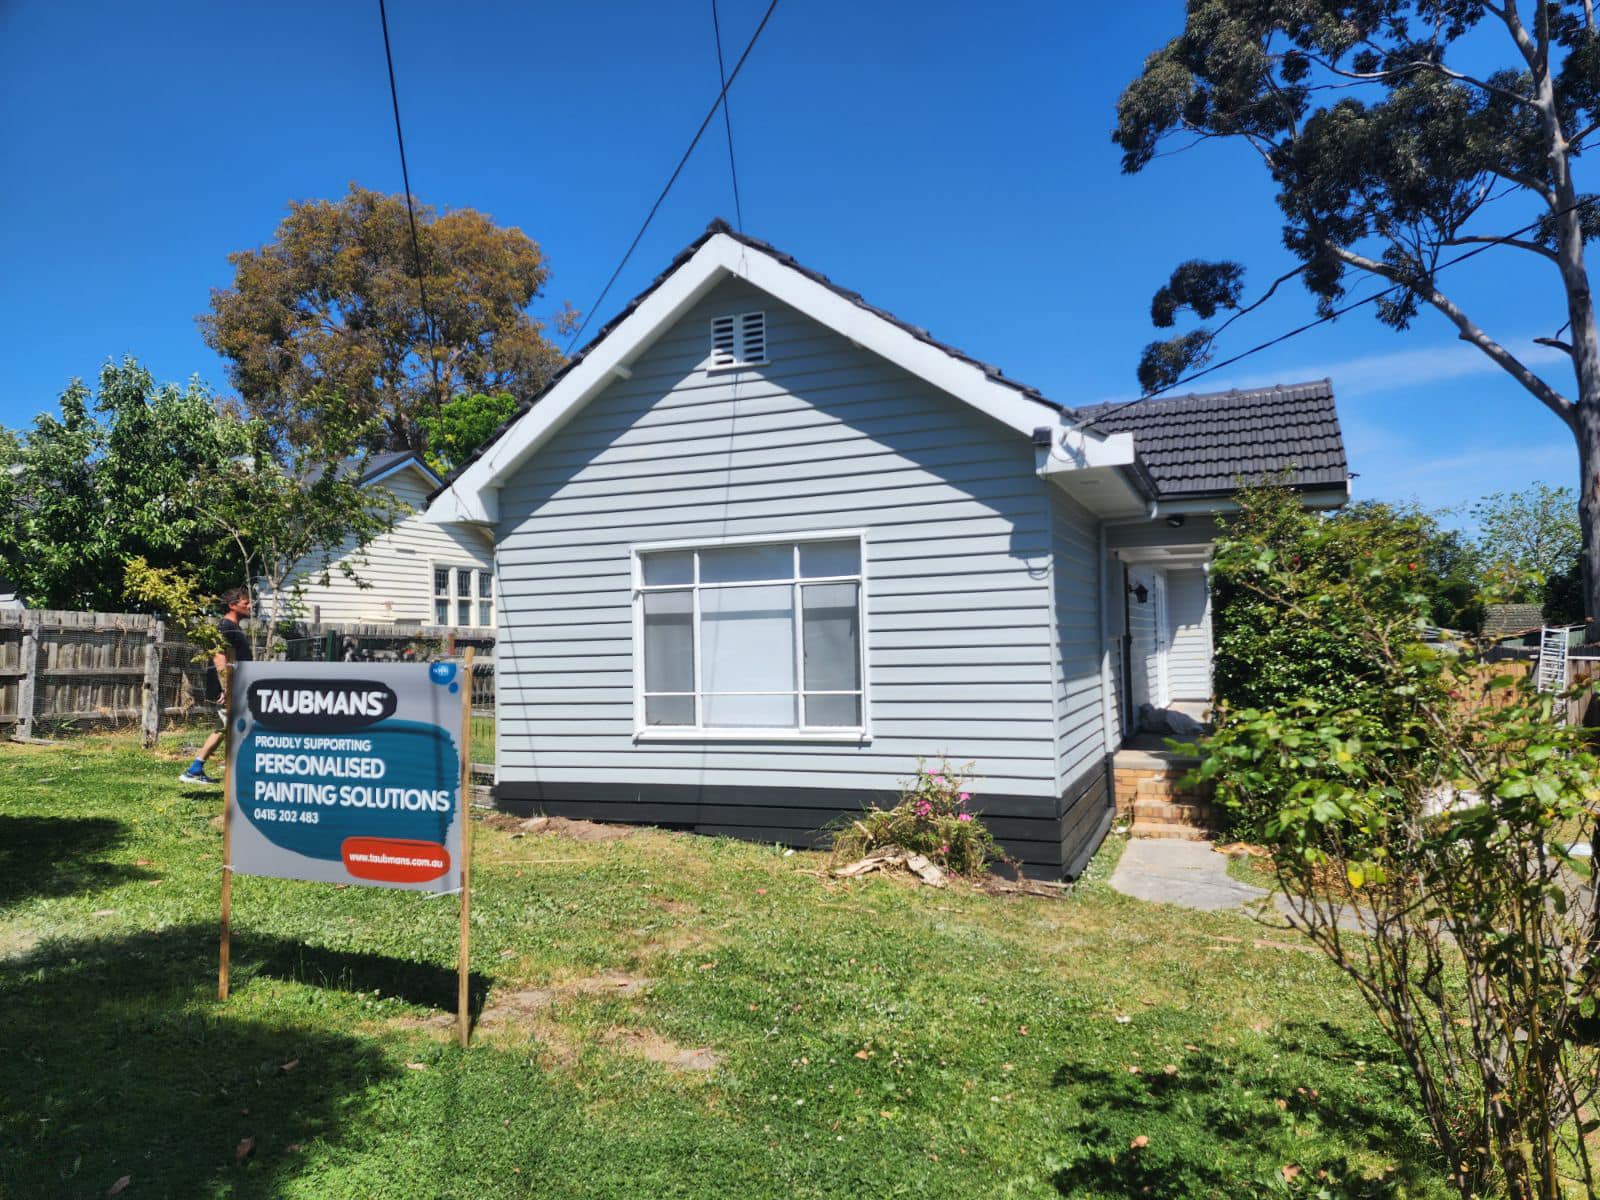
853,737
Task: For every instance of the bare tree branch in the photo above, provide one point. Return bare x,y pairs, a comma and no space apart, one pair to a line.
1469,331
1489,240
1437,68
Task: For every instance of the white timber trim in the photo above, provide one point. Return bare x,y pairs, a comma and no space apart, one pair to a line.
854,735
410,464
472,498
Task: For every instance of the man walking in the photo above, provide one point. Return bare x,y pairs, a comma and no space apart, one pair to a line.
236,606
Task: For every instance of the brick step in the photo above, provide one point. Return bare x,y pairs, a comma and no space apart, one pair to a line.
1174,812
1164,829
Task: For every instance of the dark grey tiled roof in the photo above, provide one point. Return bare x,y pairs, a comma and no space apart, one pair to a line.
720,226
1204,445
1502,619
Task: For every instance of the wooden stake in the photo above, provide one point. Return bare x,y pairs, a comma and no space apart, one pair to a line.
227,832
463,1014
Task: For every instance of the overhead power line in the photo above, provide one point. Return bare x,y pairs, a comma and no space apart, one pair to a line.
411,213
727,120
1310,325
676,171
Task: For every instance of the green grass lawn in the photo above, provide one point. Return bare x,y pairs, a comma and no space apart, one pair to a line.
857,1039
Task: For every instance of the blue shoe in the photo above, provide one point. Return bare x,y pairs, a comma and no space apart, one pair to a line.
200,778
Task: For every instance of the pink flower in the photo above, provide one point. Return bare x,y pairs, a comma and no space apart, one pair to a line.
923,808
964,817
945,849
965,796
939,779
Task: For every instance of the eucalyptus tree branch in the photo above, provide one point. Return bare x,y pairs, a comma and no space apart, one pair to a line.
1517,243
1409,68
1469,331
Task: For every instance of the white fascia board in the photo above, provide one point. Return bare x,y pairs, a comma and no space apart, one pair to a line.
471,497
410,464
867,329
1075,449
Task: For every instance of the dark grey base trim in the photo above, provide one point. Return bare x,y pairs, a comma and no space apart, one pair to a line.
1051,837
1086,819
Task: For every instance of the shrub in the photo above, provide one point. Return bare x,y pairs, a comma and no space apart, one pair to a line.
1314,615
1445,809
931,819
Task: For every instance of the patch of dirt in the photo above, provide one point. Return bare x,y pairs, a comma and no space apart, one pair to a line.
578,831
14,943
650,1045
506,1008
505,822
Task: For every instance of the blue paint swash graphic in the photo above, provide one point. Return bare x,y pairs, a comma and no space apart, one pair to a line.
395,779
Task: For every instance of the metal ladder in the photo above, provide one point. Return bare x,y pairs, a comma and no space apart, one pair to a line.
1551,675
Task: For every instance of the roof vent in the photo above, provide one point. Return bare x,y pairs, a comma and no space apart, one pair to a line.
738,340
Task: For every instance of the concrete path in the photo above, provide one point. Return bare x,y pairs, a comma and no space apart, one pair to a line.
1188,874
1193,875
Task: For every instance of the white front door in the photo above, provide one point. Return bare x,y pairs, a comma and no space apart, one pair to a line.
1149,636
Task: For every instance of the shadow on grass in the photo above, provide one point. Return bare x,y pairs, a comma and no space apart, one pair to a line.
354,971
1226,1125
116,1060
59,856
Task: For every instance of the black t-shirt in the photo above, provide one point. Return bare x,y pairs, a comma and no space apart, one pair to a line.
238,650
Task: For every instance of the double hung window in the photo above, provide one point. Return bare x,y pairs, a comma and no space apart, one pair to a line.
752,636
463,596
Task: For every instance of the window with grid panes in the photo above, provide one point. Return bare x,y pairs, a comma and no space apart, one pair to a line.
754,636
463,596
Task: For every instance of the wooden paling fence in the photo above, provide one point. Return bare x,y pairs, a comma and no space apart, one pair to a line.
62,670
1579,671
77,668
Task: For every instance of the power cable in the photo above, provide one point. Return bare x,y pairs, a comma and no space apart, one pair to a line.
411,213
727,120
1309,325
676,171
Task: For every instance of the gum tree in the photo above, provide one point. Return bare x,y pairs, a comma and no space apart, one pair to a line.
1400,135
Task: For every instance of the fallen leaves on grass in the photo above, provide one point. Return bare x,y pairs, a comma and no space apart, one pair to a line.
245,1148
285,1068
1139,1143
416,1066
120,1186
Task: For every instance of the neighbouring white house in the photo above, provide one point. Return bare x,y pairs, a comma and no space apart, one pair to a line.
761,547
419,573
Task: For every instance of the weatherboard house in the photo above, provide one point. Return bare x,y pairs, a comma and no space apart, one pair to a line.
760,547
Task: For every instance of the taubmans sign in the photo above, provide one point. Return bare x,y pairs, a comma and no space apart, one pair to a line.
347,774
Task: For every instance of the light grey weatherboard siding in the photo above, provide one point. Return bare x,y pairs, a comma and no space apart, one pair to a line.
1076,581
958,540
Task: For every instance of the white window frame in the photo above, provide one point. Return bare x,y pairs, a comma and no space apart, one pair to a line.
478,570
698,733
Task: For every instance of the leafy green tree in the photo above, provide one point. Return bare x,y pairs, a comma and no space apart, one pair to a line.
184,485
296,513
1562,600
1529,537
1399,135
112,474
461,426
329,313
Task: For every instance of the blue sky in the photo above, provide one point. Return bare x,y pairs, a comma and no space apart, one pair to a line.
951,162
